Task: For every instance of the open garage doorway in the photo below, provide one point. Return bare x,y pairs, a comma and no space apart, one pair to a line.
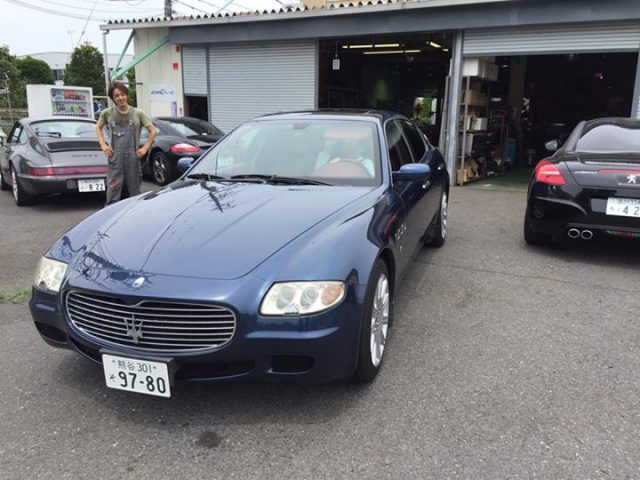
405,74
537,98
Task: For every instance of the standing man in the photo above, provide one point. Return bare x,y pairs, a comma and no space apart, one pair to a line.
124,124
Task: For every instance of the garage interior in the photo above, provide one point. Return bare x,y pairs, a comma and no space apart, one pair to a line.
533,99
406,74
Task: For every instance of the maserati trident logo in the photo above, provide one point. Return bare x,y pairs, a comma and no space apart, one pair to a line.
134,328
138,282
632,179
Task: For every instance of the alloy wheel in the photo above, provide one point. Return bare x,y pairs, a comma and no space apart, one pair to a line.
444,205
379,320
159,169
14,184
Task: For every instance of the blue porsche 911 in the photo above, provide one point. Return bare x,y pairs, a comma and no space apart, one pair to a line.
276,256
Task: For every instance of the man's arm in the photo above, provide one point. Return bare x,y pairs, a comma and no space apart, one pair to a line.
106,149
153,131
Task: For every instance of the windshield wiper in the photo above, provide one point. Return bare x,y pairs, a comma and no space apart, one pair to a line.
275,179
205,176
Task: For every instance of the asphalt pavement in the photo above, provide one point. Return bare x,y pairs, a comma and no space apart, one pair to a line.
505,361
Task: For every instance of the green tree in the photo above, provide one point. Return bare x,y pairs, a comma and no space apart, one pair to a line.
10,76
86,69
131,77
35,71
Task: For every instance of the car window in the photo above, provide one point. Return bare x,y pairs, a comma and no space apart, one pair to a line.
22,138
333,151
609,138
190,128
415,141
15,133
399,153
64,129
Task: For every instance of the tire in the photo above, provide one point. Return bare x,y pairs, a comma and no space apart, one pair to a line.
532,237
3,185
161,171
376,320
19,195
439,234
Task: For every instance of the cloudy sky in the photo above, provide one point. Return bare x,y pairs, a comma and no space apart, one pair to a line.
35,26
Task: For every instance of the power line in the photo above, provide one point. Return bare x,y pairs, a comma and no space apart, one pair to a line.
47,10
84,29
191,7
74,7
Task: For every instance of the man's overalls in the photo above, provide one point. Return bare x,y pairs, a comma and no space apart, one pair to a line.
123,164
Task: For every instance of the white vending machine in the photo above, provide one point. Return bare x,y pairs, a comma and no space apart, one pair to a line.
45,100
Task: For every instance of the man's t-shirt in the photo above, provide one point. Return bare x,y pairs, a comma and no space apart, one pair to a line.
112,115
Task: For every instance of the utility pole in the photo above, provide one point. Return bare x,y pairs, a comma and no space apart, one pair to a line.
167,9
6,89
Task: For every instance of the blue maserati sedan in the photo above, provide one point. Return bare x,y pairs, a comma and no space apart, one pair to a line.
276,256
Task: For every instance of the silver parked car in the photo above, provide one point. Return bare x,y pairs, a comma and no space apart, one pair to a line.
52,155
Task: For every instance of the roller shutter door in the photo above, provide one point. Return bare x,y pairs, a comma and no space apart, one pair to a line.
249,80
577,38
194,70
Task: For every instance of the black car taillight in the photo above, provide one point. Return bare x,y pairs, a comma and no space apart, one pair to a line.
184,148
548,172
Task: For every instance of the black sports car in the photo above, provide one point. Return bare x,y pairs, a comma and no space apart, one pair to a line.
589,187
178,137
52,155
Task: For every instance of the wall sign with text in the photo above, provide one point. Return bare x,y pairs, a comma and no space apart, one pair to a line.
162,92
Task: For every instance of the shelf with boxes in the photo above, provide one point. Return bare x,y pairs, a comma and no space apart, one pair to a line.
478,74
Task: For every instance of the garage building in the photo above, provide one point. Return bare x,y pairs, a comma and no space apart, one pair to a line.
524,71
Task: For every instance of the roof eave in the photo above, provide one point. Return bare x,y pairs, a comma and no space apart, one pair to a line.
346,8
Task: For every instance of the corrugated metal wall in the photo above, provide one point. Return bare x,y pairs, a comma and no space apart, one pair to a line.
249,80
194,70
601,37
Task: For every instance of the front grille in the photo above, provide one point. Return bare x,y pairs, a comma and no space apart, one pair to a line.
150,325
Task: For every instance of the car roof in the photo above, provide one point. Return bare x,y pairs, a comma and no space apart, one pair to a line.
334,114
30,120
622,121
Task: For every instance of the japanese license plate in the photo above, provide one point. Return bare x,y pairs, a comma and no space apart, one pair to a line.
623,207
135,375
91,185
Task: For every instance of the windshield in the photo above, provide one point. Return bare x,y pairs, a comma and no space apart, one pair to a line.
334,152
65,129
190,128
610,139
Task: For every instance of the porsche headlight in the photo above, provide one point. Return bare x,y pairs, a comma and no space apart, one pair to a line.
301,298
49,274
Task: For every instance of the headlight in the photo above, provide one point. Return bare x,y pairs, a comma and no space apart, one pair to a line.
49,274
301,298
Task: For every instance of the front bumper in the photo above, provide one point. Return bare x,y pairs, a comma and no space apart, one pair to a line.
313,349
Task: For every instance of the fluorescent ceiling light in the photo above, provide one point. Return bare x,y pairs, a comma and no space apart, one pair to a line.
386,45
434,44
357,46
386,52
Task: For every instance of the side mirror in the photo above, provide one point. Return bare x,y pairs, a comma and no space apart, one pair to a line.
552,145
184,164
411,172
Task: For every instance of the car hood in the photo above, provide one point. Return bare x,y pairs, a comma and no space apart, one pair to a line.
210,229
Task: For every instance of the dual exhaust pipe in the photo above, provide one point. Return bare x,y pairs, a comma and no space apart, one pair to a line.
575,233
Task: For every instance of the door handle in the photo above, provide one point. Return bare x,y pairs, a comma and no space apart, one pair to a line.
426,184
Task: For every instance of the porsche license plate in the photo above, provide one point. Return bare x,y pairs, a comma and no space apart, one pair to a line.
135,375
91,185
623,207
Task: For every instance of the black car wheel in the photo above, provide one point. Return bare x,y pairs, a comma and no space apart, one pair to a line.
532,237
3,185
19,195
378,315
160,169
439,234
